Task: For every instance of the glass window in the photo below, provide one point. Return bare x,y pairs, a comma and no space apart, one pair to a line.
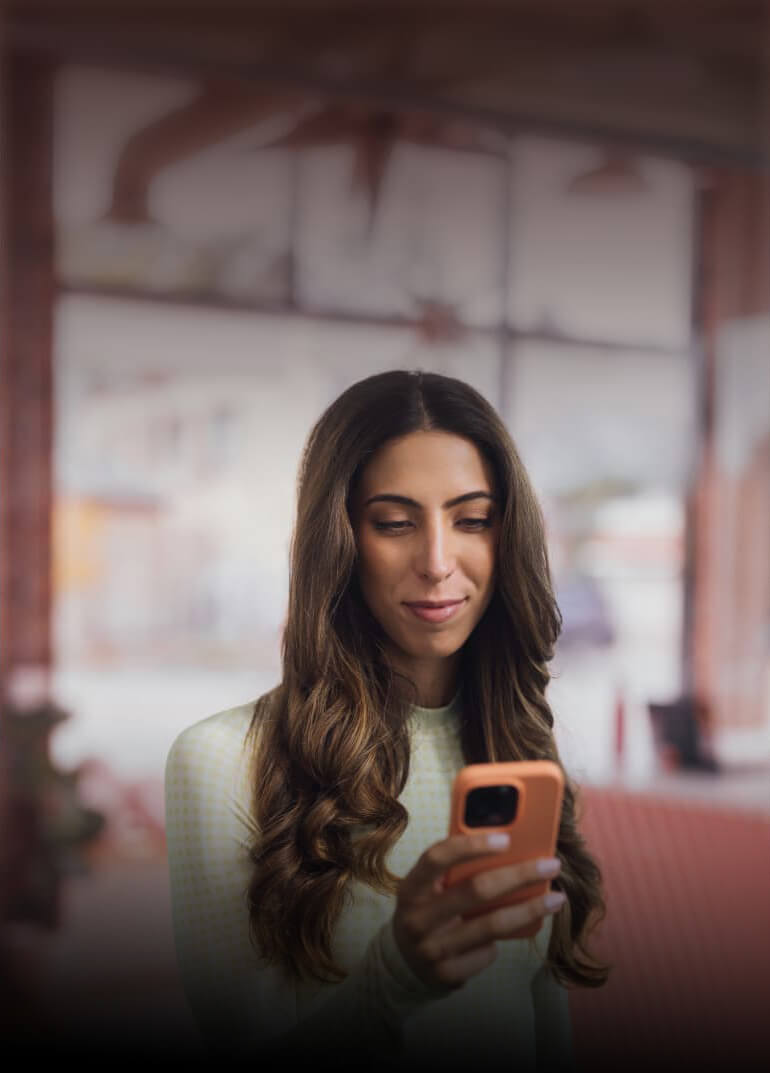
607,438
436,234
217,218
600,249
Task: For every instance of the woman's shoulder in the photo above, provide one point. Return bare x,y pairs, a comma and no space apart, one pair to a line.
219,739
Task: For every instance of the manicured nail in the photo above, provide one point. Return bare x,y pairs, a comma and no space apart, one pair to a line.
554,899
498,840
548,866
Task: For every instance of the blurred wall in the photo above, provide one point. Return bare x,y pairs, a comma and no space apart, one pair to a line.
731,615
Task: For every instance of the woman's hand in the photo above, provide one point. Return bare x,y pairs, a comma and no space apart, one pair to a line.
440,947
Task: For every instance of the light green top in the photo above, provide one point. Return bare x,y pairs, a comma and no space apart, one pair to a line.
239,1001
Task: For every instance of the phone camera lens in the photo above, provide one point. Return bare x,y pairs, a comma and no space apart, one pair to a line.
491,806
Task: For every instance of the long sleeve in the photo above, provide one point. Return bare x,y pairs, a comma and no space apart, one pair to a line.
553,1027
366,1013
241,1004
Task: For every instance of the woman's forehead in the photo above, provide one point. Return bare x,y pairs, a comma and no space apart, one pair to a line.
427,458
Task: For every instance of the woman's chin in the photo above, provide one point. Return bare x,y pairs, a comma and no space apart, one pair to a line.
434,647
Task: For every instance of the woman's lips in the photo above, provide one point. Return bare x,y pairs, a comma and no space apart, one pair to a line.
435,614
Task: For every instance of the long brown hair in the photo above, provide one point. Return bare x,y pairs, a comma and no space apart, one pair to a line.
330,744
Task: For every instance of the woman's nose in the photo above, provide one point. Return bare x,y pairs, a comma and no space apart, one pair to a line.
436,555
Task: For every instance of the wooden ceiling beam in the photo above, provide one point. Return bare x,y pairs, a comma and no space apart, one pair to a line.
706,29
670,84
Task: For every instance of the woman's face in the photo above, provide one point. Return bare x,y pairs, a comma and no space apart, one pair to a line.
417,543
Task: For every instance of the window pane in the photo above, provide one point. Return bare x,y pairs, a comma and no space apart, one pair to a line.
586,415
436,234
607,440
217,219
611,263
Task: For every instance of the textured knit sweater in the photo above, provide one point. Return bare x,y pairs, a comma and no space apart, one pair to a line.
383,1014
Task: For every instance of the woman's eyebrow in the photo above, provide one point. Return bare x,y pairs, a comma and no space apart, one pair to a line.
407,502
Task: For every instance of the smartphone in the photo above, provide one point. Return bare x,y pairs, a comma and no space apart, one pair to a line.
522,798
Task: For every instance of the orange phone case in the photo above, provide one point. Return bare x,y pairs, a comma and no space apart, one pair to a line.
534,829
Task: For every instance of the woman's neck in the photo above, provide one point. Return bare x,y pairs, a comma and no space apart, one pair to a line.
436,682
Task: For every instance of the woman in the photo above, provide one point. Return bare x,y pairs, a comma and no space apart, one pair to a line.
307,832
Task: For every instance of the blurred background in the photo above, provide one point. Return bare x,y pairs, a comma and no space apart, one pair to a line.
215,217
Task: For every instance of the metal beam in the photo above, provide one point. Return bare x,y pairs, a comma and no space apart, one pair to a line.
504,332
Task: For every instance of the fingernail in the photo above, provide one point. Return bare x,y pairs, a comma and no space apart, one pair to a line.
548,866
554,899
498,840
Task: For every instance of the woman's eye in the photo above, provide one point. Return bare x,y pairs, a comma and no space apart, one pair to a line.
473,523
483,523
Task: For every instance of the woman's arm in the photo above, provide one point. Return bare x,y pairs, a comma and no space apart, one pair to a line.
241,1004
553,1027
